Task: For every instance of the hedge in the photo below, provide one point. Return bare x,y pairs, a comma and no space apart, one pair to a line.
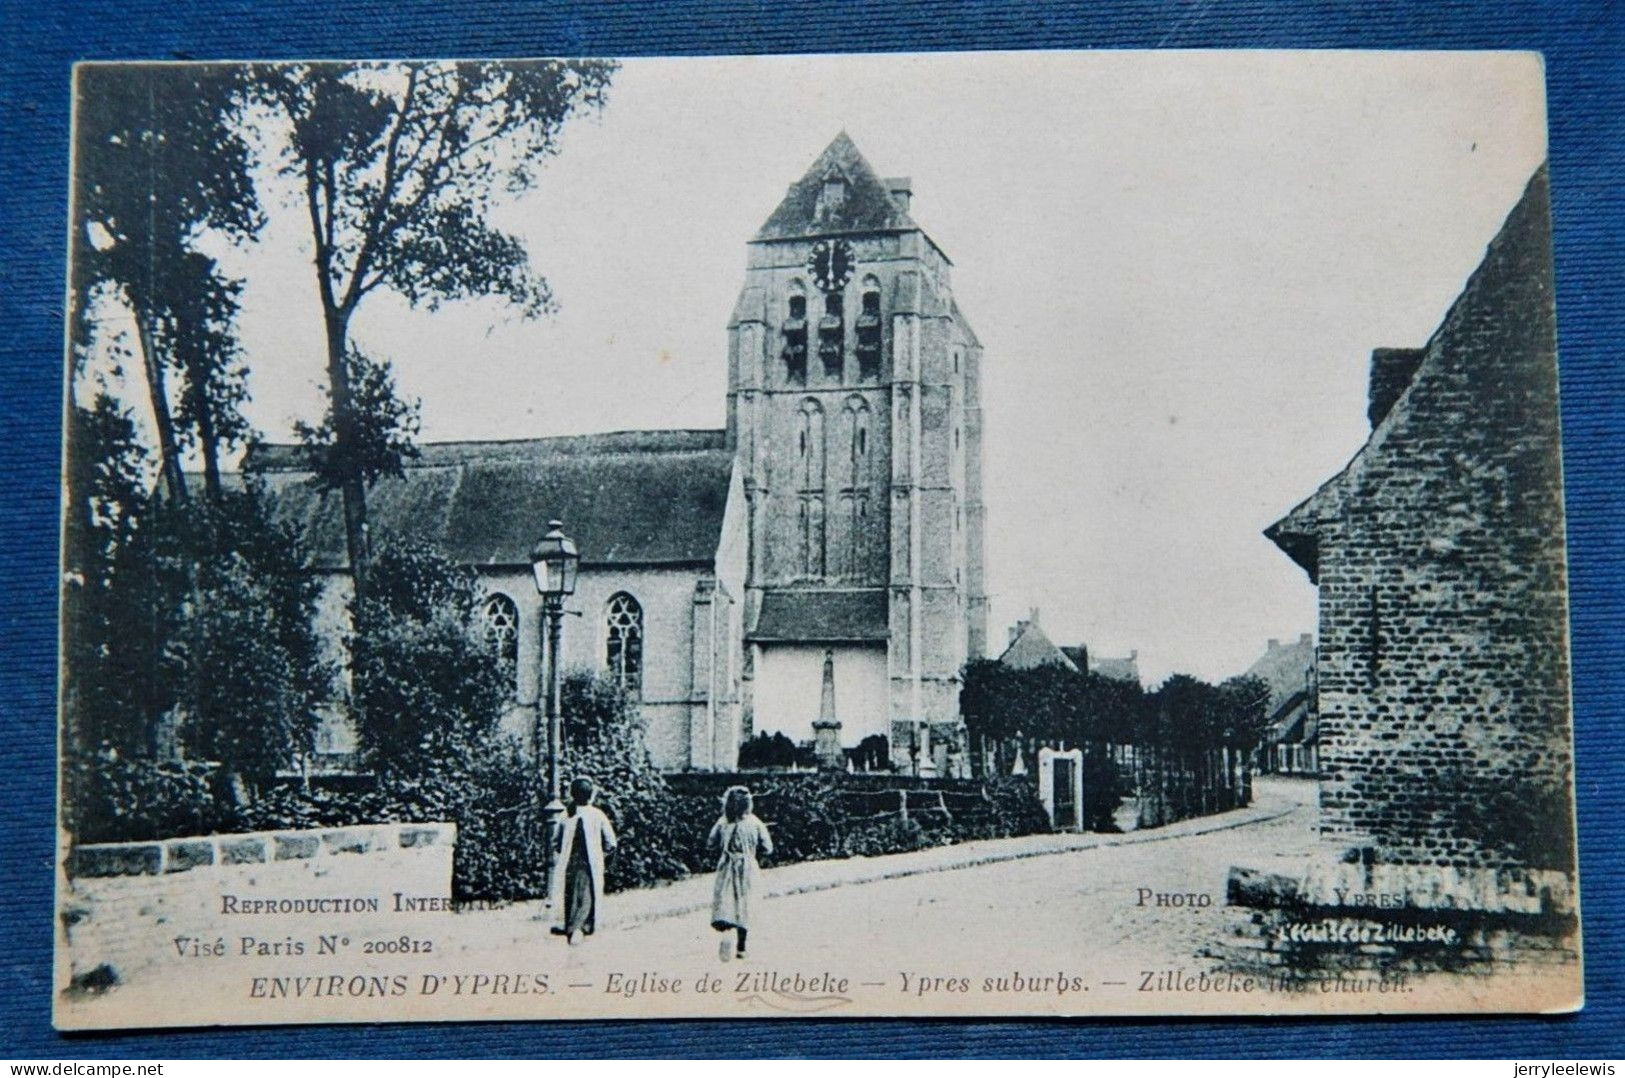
500,856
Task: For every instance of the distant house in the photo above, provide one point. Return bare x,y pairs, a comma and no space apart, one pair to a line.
1124,669
1289,745
1030,647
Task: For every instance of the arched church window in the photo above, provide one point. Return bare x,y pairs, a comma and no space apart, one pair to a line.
811,440
794,332
869,331
832,334
856,494
501,617
623,651
810,445
857,440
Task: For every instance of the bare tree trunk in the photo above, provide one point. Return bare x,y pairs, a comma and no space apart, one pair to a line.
206,439
169,457
352,489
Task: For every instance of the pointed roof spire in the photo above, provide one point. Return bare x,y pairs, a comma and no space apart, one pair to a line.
841,192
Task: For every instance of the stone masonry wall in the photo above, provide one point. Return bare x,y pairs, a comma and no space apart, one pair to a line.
121,905
1444,680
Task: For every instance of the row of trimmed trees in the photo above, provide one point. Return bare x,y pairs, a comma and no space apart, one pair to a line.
1184,748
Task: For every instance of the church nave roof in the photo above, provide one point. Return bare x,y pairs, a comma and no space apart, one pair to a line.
628,498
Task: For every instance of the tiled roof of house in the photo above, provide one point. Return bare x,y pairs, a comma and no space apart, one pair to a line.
822,615
1124,669
866,207
1031,647
1285,668
631,497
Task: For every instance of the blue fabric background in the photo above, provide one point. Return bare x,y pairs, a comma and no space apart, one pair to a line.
1584,46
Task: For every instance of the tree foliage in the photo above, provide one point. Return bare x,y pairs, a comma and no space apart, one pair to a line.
426,686
105,495
200,331
768,751
604,741
161,157
1053,703
1191,738
1186,711
398,166
189,626
382,429
873,753
238,686
240,664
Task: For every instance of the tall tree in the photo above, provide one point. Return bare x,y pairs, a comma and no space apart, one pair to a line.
398,165
105,493
160,157
203,346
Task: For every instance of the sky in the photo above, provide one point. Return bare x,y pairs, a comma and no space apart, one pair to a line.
1178,264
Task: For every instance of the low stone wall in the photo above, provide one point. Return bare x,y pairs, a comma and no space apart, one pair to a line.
252,848
122,906
1400,919
1442,887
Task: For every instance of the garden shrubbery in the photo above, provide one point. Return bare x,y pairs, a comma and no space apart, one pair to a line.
107,797
815,815
427,694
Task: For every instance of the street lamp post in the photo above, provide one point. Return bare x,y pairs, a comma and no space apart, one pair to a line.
554,561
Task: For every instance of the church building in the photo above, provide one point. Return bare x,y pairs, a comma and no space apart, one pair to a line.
854,406
831,533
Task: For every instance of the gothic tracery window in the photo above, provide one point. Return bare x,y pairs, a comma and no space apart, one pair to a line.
501,617
855,497
857,420
810,445
623,652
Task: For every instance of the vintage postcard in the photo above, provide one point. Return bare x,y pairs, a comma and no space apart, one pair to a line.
963,534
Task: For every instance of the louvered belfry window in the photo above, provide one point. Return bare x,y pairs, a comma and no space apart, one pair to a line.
869,332
832,334
795,341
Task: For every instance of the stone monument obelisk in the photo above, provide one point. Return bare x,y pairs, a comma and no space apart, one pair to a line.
827,730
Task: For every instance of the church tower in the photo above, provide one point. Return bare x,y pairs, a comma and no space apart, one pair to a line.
855,411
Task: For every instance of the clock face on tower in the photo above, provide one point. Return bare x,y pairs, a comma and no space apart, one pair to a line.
830,264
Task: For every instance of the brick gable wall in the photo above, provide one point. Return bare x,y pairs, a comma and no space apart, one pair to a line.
1443,670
